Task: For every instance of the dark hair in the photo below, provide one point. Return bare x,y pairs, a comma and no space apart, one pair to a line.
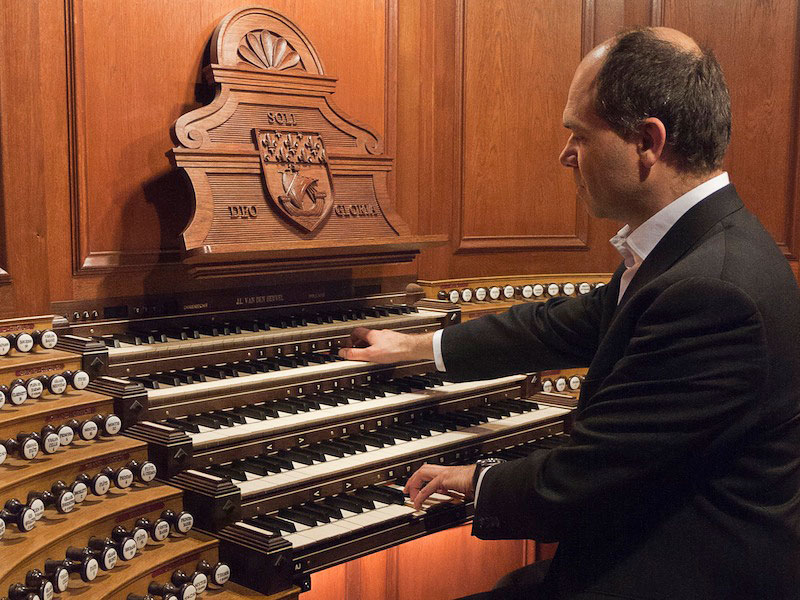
645,76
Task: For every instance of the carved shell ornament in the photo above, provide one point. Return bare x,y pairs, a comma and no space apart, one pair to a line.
266,50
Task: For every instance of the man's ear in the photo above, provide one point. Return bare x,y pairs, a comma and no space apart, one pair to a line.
652,141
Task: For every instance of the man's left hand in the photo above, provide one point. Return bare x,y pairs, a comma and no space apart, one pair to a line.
435,478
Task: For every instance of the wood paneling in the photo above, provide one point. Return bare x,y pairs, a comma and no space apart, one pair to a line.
121,133
468,96
448,564
748,36
510,143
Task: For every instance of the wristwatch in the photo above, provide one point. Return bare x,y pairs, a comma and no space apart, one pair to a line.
480,466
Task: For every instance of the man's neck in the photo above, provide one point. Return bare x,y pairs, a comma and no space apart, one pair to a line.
662,195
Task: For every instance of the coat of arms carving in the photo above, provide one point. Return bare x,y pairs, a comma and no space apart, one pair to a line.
297,175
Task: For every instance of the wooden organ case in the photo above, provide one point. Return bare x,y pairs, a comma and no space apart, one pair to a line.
225,425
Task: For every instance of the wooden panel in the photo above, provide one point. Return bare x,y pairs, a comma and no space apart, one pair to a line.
471,565
514,193
121,133
763,157
448,564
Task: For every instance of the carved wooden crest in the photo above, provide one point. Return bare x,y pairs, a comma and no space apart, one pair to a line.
296,175
282,179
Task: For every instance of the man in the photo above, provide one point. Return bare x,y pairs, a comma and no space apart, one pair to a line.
682,476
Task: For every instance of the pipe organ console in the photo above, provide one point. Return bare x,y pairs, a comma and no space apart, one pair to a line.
291,457
159,446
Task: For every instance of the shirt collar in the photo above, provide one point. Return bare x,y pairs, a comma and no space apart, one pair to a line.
634,246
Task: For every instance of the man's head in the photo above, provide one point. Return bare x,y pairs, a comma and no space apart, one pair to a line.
649,113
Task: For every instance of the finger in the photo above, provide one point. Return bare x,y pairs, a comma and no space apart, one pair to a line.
355,354
360,336
432,486
421,475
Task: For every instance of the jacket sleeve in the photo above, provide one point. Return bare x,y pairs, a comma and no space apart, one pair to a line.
682,395
557,334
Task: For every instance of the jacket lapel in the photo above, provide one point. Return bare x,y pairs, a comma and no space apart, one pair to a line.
679,240
682,236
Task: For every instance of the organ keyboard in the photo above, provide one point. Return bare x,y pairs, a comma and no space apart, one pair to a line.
250,438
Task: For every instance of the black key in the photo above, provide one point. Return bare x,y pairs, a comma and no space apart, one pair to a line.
308,402
364,501
259,366
231,416
312,452
212,372
279,460
354,394
266,409
203,420
397,496
276,522
149,337
316,358
108,340
248,325
167,378
326,400
209,329
375,494
229,370
386,438
297,516
491,411
298,457
398,433
354,446
177,334
286,361
184,377
432,425
147,382
284,407
129,338
331,511
183,425
220,418
370,440
319,515
270,465
271,529
252,466
196,375
234,473
347,446
232,328
344,503
330,449
247,368
246,411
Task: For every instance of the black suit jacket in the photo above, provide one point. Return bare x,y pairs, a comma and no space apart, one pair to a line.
682,477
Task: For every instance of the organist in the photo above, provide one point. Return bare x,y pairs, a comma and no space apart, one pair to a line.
682,476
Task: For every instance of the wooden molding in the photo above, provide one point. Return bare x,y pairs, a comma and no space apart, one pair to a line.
578,239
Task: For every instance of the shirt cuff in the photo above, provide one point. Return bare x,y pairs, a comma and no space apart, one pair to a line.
437,350
478,485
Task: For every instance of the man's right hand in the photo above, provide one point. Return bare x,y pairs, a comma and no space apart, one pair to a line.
387,346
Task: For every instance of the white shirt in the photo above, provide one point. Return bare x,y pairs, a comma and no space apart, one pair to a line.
634,247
